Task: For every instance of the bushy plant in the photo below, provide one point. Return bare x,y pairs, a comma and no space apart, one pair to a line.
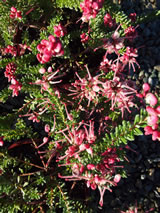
69,63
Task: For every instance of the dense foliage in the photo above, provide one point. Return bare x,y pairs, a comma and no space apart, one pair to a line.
68,67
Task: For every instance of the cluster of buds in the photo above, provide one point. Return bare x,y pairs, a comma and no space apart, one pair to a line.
15,87
9,73
15,14
60,30
131,33
153,110
50,48
109,21
17,50
84,37
90,9
10,70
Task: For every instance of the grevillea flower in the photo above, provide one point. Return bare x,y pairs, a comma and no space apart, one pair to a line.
148,130
86,87
151,99
60,30
15,87
109,21
90,9
17,50
84,37
47,79
113,44
119,93
131,33
11,50
50,48
15,14
129,57
146,87
10,70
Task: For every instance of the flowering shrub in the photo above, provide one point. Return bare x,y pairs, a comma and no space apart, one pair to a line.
79,107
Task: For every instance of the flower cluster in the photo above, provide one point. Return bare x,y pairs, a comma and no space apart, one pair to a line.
16,50
60,30
153,110
82,140
15,87
15,14
50,48
90,8
109,21
10,70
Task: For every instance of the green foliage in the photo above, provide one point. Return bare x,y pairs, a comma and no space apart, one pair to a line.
126,131
71,4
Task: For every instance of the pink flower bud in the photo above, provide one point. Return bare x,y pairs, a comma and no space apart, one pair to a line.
155,135
148,130
151,99
45,140
158,110
151,110
47,128
42,70
146,87
93,186
117,178
152,120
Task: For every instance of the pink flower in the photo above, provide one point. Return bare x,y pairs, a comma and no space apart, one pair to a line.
10,70
131,33
34,118
15,14
90,167
129,57
146,87
50,48
15,86
151,99
60,30
90,8
148,130
151,111
113,44
11,50
156,135
84,37
109,21
152,120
